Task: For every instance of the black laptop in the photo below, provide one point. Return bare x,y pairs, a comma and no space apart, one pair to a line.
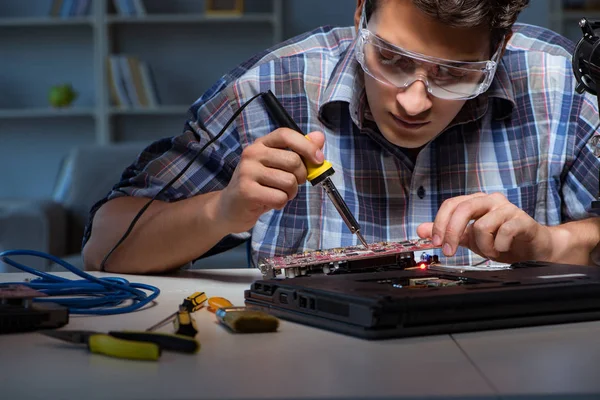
401,303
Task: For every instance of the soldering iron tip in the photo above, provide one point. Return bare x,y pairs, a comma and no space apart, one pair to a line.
362,240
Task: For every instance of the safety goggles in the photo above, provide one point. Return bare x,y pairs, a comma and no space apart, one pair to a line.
400,68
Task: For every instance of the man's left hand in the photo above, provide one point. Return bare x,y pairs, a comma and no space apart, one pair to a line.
491,226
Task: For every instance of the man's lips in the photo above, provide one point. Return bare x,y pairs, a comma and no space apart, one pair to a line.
409,123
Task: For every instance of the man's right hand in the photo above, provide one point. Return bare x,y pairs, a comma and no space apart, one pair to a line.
267,177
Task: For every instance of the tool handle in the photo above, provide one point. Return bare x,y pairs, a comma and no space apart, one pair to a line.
194,302
214,303
283,119
245,320
278,112
119,348
191,303
185,324
166,341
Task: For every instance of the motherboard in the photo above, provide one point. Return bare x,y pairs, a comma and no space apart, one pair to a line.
380,255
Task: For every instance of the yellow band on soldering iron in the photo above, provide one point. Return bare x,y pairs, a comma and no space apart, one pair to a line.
316,170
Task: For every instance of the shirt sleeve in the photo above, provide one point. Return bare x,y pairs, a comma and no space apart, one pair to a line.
582,166
211,166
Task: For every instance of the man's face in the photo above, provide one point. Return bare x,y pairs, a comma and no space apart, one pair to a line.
411,117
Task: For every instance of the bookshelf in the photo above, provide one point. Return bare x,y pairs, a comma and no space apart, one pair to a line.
44,21
185,48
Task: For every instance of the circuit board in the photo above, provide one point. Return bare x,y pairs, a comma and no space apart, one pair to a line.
345,259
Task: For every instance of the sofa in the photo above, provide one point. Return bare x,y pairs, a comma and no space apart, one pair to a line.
55,225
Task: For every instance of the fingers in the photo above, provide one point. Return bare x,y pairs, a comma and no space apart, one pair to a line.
488,229
425,230
251,173
317,138
521,228
280,180
284,138
267,197
268,174
455,214
490,226
284,160
444,214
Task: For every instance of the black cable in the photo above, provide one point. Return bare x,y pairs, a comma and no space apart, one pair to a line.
168,185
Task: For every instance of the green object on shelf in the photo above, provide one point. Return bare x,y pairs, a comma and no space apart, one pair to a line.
62,95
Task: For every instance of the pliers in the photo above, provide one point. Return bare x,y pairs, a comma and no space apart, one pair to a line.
132,345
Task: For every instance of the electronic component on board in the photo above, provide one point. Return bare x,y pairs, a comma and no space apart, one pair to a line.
381,255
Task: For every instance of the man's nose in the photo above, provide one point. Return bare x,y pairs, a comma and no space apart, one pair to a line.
415,98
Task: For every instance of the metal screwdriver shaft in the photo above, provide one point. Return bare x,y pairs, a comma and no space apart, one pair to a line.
190,304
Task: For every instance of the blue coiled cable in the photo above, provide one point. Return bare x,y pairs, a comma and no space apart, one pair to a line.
91,295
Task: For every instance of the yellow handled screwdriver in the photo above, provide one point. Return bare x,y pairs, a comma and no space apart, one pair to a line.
184,324
190,304
317,174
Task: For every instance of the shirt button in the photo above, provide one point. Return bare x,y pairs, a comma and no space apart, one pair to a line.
421,192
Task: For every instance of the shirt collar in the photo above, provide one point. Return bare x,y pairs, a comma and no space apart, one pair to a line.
346,85
500,95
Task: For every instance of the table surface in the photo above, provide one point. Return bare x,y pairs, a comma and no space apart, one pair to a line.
298,361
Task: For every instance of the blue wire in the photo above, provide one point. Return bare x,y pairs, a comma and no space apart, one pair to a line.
97,296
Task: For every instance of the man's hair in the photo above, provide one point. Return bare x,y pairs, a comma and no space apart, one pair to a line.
499,15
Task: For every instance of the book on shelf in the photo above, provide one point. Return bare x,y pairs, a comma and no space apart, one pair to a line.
131,83
130,8
69,8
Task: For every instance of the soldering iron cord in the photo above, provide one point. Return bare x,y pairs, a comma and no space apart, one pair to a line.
99,296
169,184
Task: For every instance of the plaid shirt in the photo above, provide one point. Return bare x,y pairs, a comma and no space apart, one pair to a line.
527,137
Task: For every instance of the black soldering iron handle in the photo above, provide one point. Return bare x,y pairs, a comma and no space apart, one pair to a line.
278,112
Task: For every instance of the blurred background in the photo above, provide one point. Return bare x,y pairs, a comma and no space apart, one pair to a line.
84,84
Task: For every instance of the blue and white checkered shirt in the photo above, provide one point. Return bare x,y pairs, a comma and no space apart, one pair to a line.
527,137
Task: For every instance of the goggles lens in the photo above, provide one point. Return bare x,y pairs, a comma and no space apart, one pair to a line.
445,79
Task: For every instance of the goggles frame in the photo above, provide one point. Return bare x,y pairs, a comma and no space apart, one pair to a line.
487,67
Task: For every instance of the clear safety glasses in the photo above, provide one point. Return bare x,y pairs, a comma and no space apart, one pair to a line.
400,68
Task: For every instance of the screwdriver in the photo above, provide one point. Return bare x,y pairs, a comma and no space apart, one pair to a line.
190,304
185,324
317,174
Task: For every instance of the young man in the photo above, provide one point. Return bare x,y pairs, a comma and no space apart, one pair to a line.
441,119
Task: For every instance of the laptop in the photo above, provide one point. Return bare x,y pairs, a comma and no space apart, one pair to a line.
414,301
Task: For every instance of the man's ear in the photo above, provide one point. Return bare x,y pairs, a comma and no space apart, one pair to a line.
506,39
358,13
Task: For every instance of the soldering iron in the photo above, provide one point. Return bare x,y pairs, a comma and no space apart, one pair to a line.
317,174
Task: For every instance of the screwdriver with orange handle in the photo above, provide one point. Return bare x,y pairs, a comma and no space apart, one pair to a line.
317,174
214,303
